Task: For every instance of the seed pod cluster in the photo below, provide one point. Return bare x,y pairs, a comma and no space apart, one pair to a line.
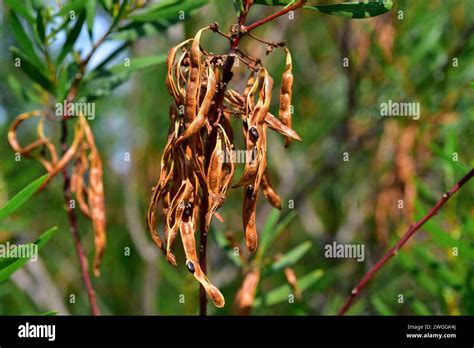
86,159
197,164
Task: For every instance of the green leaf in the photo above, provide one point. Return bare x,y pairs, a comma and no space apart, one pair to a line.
272,230
281,293
10,265
31,70
472,85
380,306
71,38
90,15
164,10
24,41
291,257
138,64
101,82
21,197
73,5
40,25
49,313
420,308
355,9
20,8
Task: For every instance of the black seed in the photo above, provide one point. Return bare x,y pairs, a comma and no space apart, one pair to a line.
190,266
249,192
188,210
253,133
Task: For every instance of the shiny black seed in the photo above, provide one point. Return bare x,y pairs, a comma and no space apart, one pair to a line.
190,266
188,210
249,192
253,133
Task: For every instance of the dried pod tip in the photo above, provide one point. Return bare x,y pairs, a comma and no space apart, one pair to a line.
190,266
253,133
188,210
249,192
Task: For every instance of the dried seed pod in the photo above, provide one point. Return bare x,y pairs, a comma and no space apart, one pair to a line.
77,179
246,294
189,244
275,124
95,196
198,122
270,194
220,174
285,95
249,216
170,82
293,281
192,92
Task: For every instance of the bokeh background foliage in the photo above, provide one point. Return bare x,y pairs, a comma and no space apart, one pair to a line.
421,51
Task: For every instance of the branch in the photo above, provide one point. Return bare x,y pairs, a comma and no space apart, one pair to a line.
262,21
408,234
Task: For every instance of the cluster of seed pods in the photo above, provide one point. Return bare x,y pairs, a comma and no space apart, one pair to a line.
194,170
86,160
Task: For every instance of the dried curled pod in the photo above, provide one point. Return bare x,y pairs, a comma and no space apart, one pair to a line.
246,294
285,95
198,163
90,195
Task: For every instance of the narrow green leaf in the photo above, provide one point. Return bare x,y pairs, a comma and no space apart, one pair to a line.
31,70
24,41
73,5
380,306
21,197
355,9
165,10
90,15
49,313
101,83
281,293
40,30
71,38
10,265
61,90
138,63
20,8
420,308
271,232
291,257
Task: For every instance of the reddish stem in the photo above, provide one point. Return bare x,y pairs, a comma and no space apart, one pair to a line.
408,234
273,16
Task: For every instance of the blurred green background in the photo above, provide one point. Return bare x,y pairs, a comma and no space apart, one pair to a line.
421,51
